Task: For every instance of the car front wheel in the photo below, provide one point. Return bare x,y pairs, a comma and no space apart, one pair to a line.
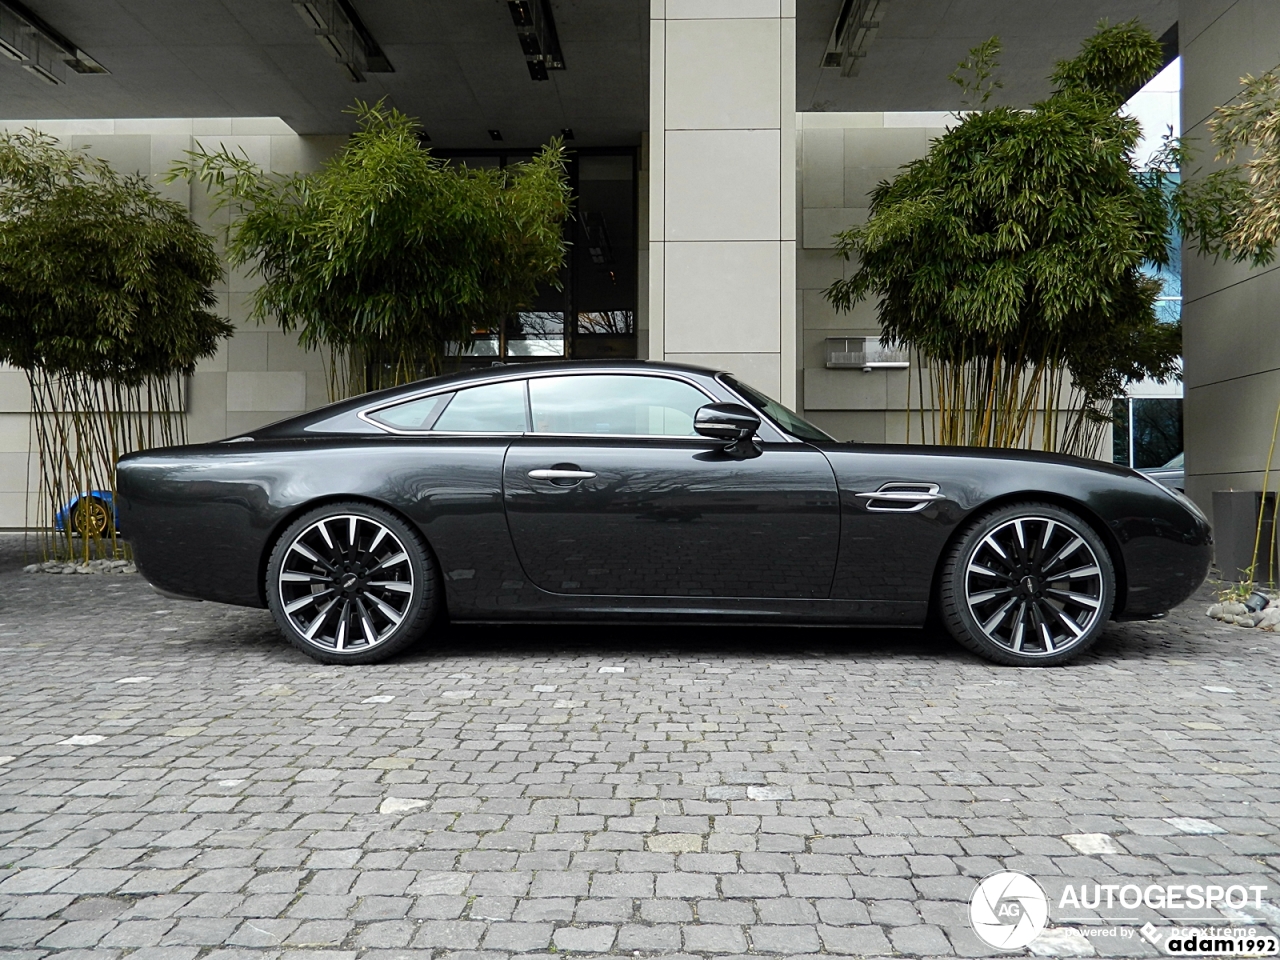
352,583
1027,584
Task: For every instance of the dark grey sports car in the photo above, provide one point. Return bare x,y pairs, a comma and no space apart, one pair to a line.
609,491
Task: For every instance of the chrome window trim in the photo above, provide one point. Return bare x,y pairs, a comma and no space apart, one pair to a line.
367,413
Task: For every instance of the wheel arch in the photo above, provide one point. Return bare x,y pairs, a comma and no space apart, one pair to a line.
281,525
1082,510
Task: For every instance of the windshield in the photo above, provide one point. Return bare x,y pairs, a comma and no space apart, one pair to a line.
788,420
1175,463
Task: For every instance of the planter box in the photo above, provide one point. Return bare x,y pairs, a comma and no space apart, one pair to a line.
1235,522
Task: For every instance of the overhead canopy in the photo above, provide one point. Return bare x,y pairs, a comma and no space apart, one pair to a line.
459,64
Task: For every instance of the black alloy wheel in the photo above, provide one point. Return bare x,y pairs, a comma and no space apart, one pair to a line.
352,583
1028,584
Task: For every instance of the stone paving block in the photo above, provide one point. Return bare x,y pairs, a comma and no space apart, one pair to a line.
200,931
449,934
784,940
584,939
860,941
714,939
137,933
518,937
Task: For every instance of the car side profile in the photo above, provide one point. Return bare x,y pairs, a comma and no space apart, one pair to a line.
599,491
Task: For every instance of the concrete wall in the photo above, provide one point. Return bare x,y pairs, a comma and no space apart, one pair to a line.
1229,312
258,376
841,157
721,167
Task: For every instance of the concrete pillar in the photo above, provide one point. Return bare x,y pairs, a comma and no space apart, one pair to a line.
722,216
1230,343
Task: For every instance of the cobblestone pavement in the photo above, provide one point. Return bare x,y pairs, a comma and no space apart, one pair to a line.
178,782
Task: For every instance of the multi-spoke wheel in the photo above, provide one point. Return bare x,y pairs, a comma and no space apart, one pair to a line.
1027,584
91,517
351,583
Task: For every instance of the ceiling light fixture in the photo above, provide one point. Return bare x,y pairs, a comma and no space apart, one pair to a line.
855,28
495,134
538,39
40,49
341,32
566,133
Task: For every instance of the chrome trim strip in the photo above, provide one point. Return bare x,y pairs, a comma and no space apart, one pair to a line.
894,493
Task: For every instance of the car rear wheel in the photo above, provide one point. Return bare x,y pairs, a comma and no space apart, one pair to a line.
352,583
1027,584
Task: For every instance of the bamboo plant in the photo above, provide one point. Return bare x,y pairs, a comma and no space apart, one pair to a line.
106,301
388,257
1010,258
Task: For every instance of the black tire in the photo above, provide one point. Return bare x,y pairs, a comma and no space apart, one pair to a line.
320,581
1003,609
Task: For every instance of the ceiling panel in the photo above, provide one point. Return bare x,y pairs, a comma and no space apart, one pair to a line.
460,70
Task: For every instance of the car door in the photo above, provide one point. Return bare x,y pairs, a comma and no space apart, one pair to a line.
613,494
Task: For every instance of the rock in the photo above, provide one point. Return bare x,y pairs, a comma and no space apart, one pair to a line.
1243,620
1215,611
1234,609
1269,619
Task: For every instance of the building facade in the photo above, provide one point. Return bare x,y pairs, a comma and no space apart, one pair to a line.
718,147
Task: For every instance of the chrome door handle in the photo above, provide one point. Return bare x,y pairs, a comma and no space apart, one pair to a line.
561,475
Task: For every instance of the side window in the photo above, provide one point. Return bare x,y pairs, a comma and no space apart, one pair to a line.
614,404
417,414
492,408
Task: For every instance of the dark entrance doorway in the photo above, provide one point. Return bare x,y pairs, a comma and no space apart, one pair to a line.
593,315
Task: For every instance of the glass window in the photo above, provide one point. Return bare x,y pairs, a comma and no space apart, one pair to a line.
614,405
787,419
493,408
413,414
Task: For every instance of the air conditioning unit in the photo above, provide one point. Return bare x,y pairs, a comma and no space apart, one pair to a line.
864,353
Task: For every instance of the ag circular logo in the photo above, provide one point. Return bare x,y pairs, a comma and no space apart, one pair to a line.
1008,910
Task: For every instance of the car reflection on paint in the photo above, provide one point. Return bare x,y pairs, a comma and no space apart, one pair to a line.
1171,474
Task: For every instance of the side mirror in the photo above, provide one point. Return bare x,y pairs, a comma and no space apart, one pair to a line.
731,422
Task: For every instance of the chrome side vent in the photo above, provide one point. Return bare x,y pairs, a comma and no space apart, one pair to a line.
901,497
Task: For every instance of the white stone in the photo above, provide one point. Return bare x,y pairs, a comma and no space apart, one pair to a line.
543,688
437,884
1061,942
459,694
400,805
675,843
134,679
4,760
511,727
770,792
82,740
613,670
230,783
1093,844
380,698
1193,825
1218,689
